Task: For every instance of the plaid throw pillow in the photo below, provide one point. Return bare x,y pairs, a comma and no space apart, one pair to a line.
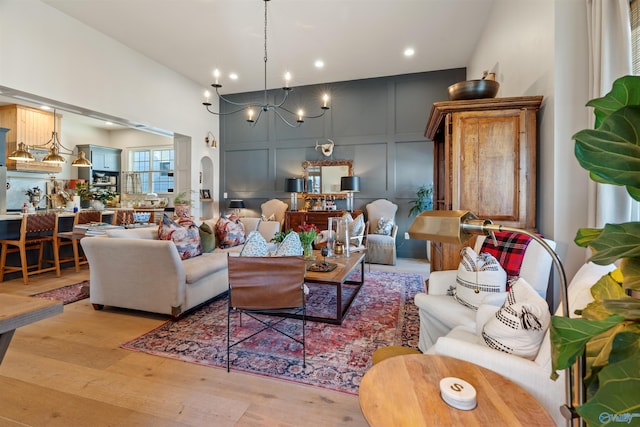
509,252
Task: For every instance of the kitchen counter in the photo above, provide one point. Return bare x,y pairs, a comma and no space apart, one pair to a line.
18,215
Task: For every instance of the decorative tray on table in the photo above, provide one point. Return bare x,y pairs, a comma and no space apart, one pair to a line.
323,267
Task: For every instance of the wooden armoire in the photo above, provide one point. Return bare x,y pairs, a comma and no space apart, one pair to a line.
484,162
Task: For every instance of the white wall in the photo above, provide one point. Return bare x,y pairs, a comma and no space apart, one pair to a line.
539,48
47,53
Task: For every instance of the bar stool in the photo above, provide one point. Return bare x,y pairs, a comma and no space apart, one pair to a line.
82,217
35,231
123,216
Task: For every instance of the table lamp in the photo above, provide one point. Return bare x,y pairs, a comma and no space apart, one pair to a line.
349,185
457,227
236,205
294,186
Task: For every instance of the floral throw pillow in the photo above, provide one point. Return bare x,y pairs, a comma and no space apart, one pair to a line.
384,226
255,245
290,246
229,232
185,236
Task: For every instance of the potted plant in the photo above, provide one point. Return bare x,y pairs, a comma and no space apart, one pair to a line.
423,200
182,204
609,329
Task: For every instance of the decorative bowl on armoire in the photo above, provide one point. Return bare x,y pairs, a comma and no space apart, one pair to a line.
486,87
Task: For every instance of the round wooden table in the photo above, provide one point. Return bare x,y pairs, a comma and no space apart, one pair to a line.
405,391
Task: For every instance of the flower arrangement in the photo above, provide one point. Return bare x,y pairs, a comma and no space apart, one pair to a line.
307,233
33,192
87,192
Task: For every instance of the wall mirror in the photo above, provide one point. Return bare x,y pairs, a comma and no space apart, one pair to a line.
322,178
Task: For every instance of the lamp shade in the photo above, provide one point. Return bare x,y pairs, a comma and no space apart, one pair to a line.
350,183
294,185
236,204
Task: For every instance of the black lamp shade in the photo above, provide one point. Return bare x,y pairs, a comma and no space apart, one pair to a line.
236,204
294,185
350,183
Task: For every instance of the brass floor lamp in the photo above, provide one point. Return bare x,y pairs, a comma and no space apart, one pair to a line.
457,227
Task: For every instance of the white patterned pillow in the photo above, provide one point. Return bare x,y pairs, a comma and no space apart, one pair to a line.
479,276
255,245
271,217
356,228
384,226
521,323
290,246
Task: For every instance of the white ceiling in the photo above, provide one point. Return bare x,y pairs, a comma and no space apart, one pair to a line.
355,38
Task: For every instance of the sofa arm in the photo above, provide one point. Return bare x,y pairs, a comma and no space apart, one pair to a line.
441,281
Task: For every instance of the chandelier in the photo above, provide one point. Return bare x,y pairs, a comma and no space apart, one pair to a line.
55,149
290,118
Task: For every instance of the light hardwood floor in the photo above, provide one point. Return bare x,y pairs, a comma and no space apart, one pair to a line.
68,370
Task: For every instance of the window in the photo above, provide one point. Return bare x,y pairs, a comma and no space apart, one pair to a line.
154,166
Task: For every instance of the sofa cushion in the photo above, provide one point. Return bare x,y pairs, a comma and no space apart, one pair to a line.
519,326
229,232
479,276
255,245
147,233
207,237
186,237
199,267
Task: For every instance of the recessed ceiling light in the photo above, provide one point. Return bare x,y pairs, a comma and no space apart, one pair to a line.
233,76
108,123
409,51
45,107
319,63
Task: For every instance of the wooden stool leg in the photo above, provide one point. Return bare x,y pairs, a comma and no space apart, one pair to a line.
56,255
23,264
76,255
3,260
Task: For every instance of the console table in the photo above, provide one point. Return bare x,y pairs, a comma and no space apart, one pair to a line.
292,219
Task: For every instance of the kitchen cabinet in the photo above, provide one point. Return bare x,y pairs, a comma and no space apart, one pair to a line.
33,127
484,162
293,219
105,166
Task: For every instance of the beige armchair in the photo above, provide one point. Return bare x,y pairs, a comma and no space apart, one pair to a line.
381,248
274,207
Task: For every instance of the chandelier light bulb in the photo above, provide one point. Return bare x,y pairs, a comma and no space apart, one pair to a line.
287,78
206,97
325,100
250,115
300,116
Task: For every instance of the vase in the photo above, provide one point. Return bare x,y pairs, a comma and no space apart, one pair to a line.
307,250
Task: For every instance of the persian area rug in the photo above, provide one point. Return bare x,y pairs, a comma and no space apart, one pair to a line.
67,294
382,314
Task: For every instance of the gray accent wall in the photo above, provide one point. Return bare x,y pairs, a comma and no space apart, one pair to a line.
378,123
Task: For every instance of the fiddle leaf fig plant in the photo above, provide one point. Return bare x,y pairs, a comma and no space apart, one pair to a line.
608,333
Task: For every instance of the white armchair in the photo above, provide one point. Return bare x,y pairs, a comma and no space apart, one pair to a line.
532,375
381,248
440,312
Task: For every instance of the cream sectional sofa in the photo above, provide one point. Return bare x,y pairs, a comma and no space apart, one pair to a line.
133,269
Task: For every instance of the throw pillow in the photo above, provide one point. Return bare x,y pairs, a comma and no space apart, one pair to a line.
479,277
356,228
290,246
229,232
271,217
384,226
186,239
254,245
519,326
509,251
207,238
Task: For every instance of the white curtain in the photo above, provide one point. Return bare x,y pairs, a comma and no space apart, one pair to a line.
609,32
